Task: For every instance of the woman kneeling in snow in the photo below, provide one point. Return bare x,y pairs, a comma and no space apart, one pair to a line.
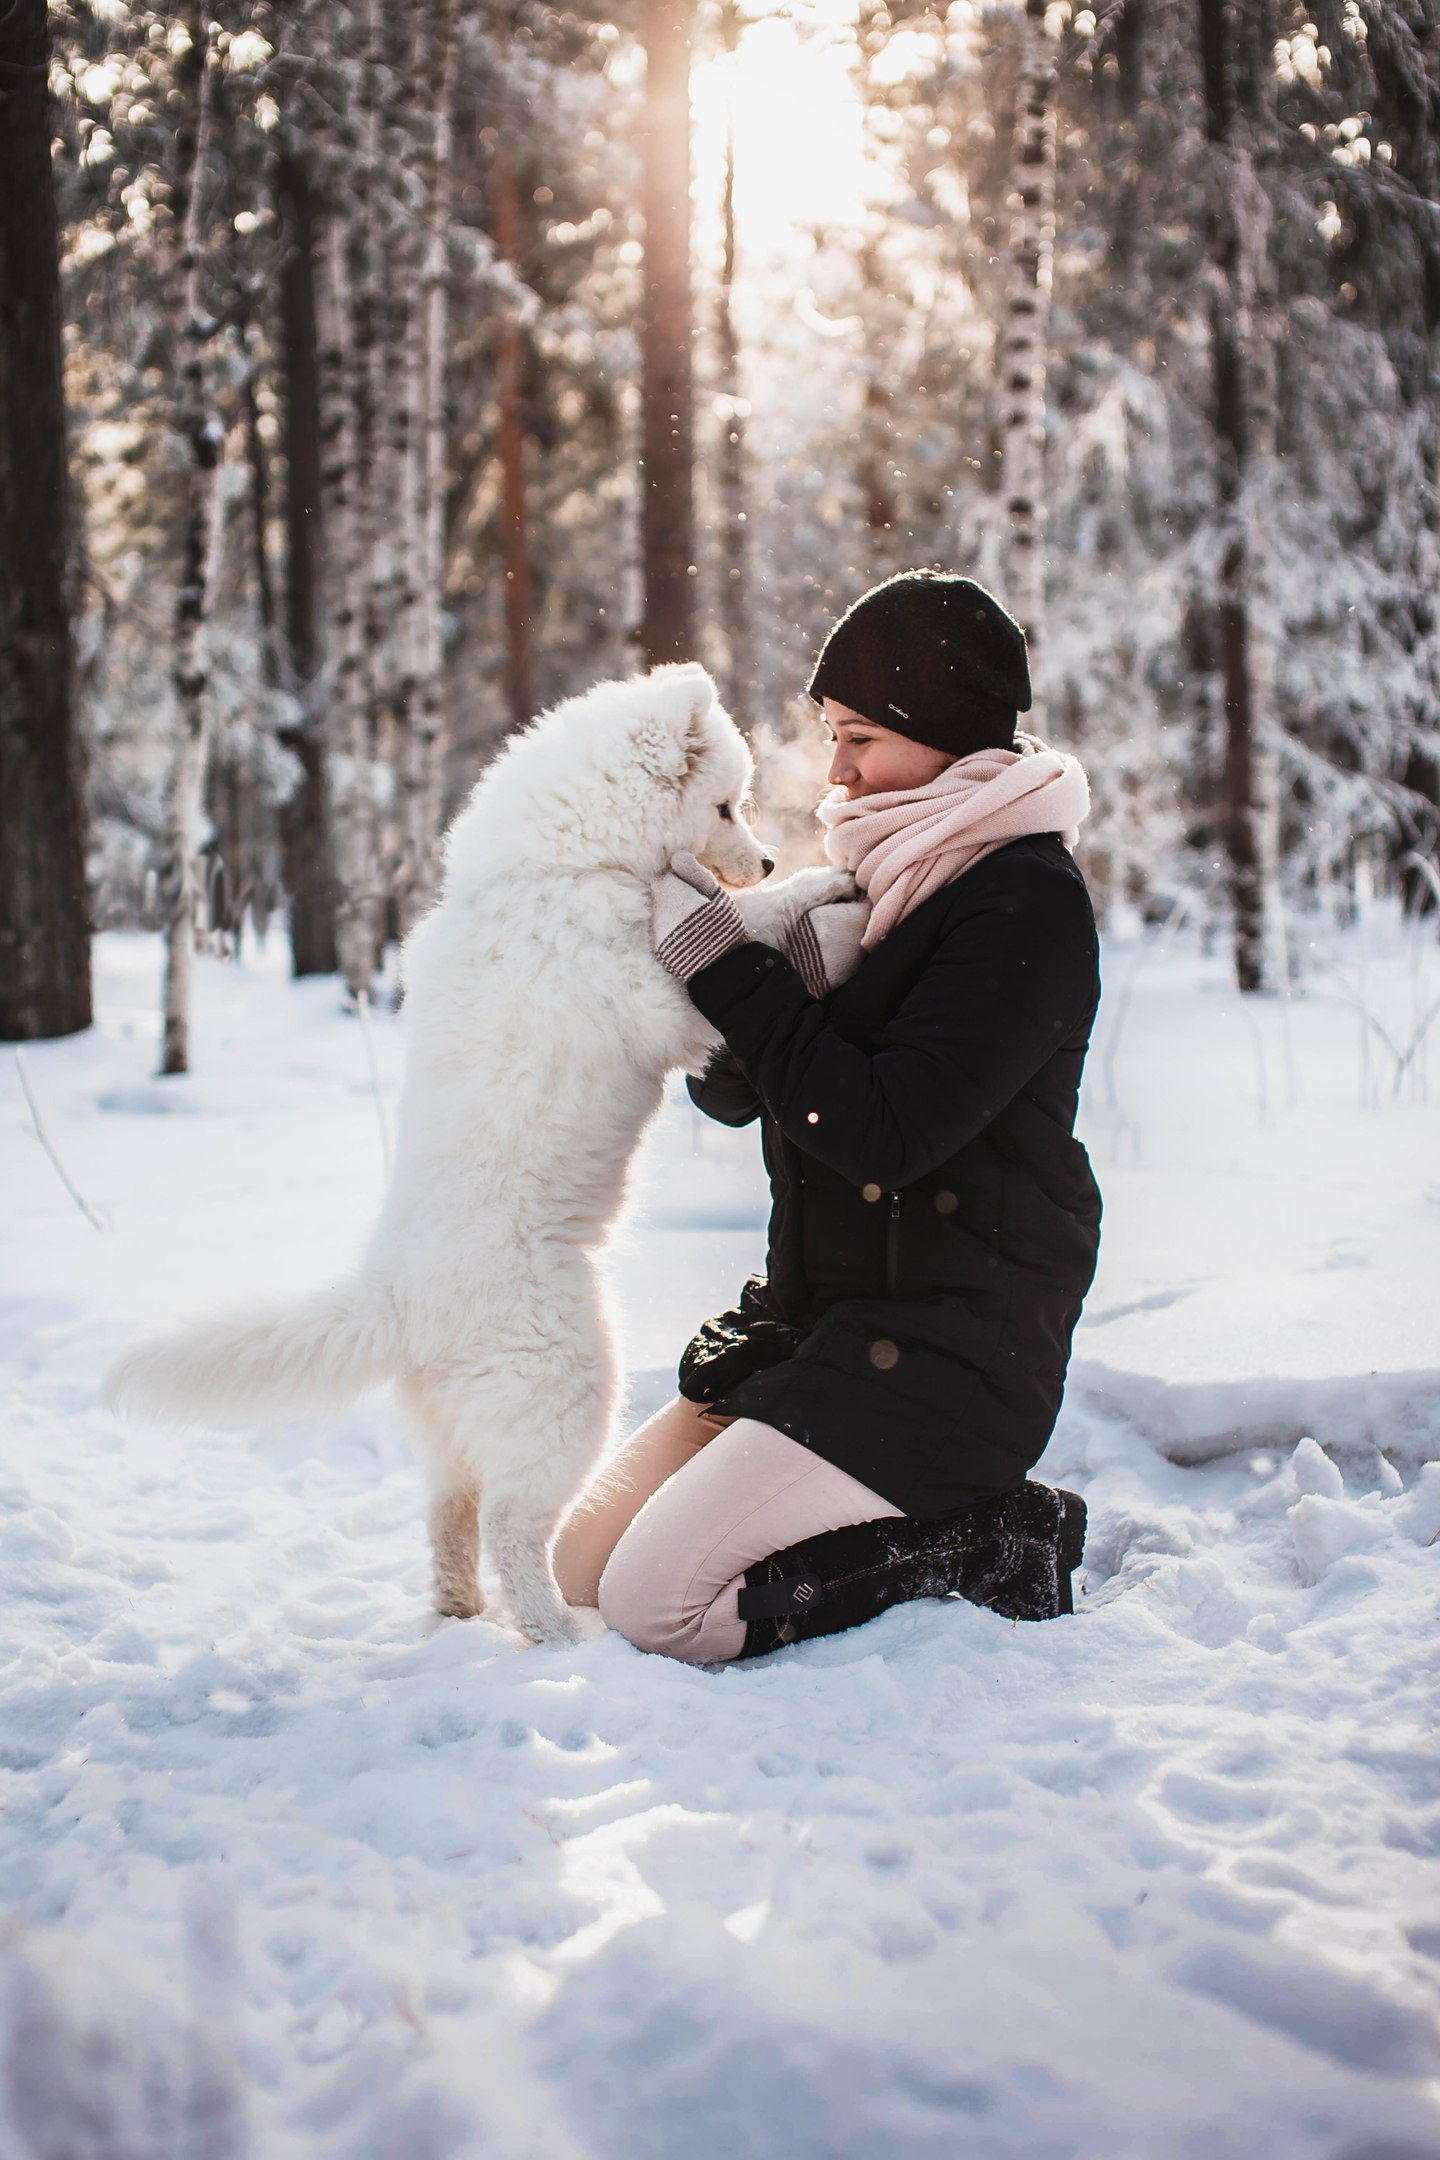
858,1431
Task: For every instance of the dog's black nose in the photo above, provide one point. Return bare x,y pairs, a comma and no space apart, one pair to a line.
767,864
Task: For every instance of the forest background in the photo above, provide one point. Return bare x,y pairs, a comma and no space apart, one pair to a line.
386,370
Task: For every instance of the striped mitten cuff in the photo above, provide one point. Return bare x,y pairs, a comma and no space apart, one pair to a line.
695,921
823,945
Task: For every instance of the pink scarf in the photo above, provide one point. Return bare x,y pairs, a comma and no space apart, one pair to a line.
903,846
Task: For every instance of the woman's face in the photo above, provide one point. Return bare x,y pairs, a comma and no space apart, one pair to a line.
871,760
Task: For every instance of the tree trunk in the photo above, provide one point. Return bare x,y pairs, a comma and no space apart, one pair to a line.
190,673
394,245
876,469
510,396
421,774
237,797
345,405
409,147
667,520
1025,339
735,622
44,911
305,823
1242,379
267,618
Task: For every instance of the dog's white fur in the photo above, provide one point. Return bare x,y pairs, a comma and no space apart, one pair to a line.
540,1031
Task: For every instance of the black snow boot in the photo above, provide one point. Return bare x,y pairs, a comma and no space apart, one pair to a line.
1014,1552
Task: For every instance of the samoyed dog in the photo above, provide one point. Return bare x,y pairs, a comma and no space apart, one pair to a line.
540,1030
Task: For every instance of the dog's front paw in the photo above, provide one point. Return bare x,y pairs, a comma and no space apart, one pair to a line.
771,912
561,1626
820,886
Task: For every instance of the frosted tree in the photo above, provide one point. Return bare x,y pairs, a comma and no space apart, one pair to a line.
511,353
203,432
1242,352
421,777
44,915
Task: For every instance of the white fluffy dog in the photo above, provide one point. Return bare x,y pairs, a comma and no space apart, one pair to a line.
540,1031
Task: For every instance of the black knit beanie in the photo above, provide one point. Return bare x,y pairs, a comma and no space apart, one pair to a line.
932,657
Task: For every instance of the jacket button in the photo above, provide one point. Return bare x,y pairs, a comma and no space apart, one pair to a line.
945,1203
870,1192
884,1355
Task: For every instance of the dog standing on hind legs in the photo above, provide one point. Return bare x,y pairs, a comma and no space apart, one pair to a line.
541,1028
513,1440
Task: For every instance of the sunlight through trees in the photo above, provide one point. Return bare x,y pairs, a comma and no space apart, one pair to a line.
424,363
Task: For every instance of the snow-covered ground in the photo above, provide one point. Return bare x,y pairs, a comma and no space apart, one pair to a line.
292,1871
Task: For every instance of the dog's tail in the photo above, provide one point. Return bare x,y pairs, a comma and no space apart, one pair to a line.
263,1360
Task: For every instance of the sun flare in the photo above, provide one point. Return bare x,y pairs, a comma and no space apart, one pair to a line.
800,153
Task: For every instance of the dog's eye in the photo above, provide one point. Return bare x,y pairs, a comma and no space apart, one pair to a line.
725,811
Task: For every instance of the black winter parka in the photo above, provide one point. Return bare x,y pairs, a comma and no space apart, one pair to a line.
934,1222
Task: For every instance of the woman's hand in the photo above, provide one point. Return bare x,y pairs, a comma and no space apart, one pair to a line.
694,921
817,919
824,947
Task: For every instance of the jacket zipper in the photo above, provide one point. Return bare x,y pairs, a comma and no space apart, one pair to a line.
892,1246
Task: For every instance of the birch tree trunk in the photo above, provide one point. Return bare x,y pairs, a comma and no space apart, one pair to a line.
1242,383
347,426
204,511
421,770
667,517
44,911
346,746
1025,338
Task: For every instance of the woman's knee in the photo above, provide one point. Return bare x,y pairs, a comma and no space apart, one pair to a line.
638,1602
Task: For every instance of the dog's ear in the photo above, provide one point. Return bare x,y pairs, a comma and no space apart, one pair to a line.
675,734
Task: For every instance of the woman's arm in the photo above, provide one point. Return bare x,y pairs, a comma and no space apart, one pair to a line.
724,1091
1010,983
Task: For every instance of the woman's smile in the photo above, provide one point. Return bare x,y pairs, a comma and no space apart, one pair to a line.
871,760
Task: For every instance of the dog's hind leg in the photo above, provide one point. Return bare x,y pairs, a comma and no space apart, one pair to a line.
454,1505
455,1546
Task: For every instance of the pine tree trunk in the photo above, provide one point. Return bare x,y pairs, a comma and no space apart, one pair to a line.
345,405
44,910
667,520
1025,340
236,794
1242,375
267,617
360,928
510,396
408,152
735,623
421,769
204,510
305,824
876,468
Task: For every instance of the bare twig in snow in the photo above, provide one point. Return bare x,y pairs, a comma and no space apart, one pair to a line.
90,1214
362,1007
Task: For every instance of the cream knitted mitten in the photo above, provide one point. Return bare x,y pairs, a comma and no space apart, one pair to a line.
695,920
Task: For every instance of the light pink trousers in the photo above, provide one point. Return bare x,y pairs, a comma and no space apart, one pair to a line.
662,1538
